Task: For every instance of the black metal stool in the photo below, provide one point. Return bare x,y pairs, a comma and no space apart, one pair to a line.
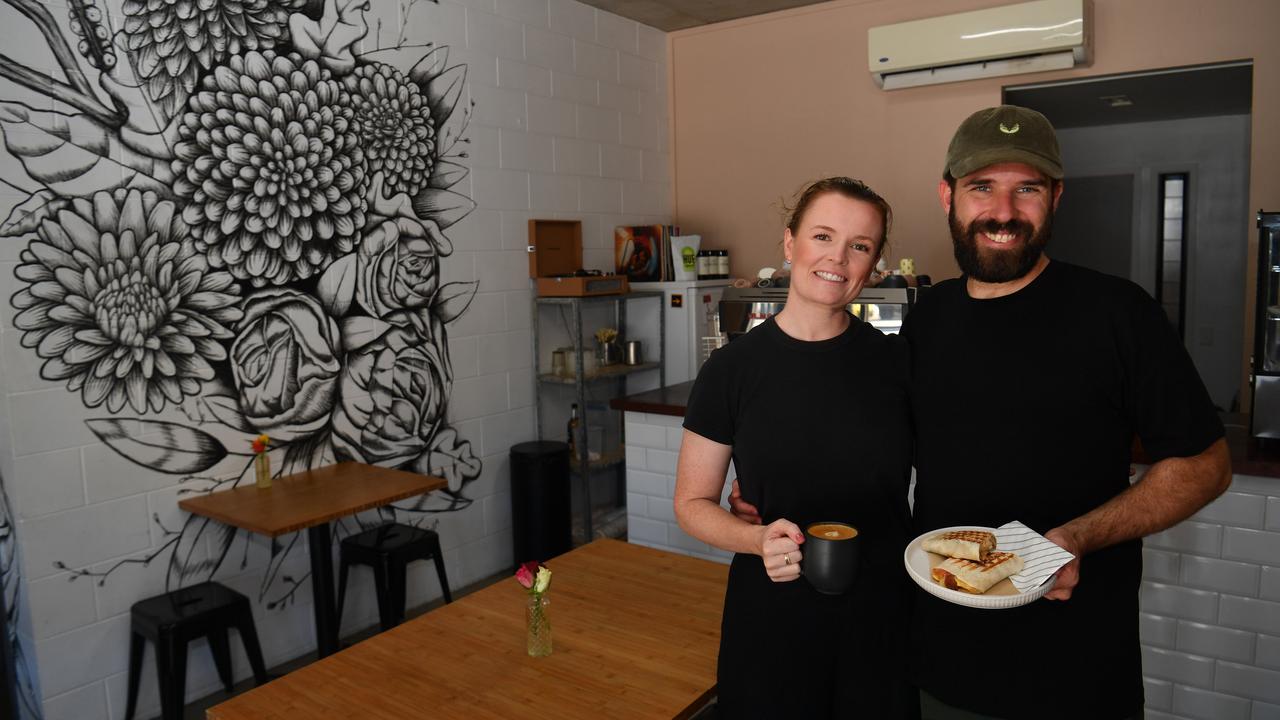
389,549
175,618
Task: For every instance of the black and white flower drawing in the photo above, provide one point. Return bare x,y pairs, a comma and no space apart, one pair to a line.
174,41
237,217
269,168
120,305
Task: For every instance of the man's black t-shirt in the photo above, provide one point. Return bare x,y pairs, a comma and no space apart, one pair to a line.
1025,408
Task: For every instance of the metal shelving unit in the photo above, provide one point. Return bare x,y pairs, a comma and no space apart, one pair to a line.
610,377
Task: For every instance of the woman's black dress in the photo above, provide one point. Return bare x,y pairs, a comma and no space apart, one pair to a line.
820,431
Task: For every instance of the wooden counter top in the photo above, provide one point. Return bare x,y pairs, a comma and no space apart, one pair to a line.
671,400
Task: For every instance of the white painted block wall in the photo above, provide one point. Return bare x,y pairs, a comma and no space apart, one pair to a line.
653,443
1210,602
570,121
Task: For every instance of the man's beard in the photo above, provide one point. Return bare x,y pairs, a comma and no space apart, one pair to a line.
998,266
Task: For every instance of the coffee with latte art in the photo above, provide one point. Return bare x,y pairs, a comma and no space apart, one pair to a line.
833,531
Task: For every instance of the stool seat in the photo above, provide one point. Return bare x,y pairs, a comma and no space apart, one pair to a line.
389,549
171,621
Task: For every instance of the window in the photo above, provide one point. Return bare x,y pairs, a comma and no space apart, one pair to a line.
1171,260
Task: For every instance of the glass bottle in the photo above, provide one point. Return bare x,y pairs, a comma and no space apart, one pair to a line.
573,431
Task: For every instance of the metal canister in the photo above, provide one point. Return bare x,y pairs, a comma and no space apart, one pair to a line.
633,353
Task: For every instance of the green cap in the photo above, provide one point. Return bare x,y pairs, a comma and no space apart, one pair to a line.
1007,133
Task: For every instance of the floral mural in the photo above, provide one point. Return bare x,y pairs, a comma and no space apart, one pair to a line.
234,220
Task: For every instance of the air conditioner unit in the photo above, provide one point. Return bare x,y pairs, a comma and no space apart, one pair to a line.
1008,40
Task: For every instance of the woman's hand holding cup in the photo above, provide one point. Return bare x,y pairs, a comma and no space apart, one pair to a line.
780,549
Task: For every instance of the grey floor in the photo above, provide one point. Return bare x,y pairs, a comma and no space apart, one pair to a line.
196,709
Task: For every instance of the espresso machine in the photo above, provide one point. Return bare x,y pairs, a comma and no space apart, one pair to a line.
1266,336
742,309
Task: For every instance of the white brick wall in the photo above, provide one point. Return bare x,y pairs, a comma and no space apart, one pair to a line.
568,101
653,443
1211,621
1210,600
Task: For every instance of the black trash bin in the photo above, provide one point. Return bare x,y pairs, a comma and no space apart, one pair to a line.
540,500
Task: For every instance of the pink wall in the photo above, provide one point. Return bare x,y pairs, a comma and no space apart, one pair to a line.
761,105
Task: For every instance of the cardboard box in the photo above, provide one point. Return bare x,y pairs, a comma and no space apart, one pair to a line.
582,286
555,252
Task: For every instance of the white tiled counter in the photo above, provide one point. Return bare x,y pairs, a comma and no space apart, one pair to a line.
653,442
1210,602
1210,609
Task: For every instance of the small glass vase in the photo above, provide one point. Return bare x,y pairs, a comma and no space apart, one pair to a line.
538,623
262,469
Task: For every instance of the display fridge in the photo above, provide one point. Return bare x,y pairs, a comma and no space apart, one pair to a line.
1266,336
692,310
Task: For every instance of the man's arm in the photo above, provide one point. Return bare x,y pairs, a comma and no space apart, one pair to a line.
1171,491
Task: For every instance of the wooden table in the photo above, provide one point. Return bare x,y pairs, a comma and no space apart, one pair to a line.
636,633
308,501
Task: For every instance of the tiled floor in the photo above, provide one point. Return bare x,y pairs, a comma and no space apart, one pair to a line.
196,709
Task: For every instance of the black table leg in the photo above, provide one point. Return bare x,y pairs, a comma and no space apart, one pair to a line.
322,589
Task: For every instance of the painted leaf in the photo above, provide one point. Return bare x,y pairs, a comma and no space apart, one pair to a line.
406,58
163,446
337,285
453,299
27,215
146,129
445,174
450,457
330,39
443,93
275,566
360,331
433,63
445,207
227,411
190,557
72,155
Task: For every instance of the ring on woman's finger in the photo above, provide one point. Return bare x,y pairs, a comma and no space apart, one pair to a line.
786,559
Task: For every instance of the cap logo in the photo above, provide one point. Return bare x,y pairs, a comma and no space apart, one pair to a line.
1010,130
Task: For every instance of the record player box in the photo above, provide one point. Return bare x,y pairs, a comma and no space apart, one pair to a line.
555,248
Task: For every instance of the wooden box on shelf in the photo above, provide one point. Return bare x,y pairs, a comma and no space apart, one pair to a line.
555,253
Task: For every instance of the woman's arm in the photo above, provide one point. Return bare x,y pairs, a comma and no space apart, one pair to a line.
700,475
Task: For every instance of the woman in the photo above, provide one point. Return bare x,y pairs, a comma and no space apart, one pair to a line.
811,406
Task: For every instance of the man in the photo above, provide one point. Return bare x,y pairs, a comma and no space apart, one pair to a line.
1030,379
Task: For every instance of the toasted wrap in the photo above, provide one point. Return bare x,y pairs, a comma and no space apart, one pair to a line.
976,577
966,544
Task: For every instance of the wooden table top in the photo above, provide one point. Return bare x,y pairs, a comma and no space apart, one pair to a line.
636,632
299,501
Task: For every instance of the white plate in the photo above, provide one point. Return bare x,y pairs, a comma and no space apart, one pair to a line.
919,563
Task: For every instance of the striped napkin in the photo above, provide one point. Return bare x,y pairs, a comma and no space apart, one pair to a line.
1042,557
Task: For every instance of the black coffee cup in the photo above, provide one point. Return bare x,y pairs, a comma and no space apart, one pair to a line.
830,560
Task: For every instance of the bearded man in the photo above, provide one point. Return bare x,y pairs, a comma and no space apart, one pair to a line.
1030,379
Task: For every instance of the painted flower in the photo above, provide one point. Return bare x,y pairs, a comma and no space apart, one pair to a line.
394,390
398,266
174,41
270,168
285,363
120,305
396,128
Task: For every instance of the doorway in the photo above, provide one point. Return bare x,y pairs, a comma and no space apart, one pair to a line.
1123,138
